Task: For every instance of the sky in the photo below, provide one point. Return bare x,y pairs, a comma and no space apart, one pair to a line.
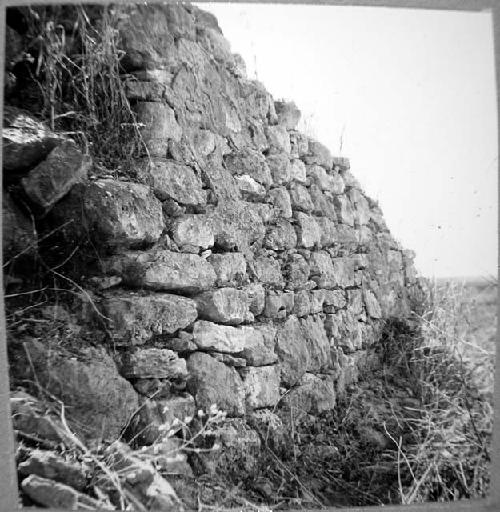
409,97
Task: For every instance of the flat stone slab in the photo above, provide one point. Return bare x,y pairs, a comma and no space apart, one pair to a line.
162,270
137,318
153,363
221,338
224,305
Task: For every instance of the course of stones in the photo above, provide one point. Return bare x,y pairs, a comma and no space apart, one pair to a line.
241,265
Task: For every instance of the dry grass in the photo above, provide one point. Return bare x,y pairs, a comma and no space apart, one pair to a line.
76,64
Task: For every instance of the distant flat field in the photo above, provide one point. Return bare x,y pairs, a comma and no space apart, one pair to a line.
476,309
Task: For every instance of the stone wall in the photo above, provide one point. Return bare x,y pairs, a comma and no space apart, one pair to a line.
240,264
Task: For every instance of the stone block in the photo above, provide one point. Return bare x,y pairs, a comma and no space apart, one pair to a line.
280,236
162,270
278,139
54,177
250,162
313,395
259,348
261,386
153,363
317,344
25,142
172,180
160,125
280,198
212,382
192,233
230,268
309,232
280,167
300,198
136,318
292,352
224,305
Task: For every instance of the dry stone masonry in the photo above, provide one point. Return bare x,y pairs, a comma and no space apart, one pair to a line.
241,264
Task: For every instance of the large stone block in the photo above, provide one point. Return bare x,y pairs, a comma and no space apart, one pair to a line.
292,352
256,298
259,347
267,270
192,233
98,401
280,198
344,271
172,180
162,270
115,214
221,338
53,178
297,272
280,236
250,162
153,363
25,142
261,386
317,344
298,171
237,225
136,318
230,268
278,304
322,270
300,198
279,165
278,139
224,305
160,125
212,383
309,232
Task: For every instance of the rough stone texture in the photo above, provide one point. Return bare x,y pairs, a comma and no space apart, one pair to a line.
18,233
292,352
192,233
280,198
225,305
53,178
25,142
171,180
318,346
147,363
79,383
47,464
113,213
221,338
49,493
261,386
160,126
238,214
230,268
212,382
309,232
137,318
162,270
280,236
